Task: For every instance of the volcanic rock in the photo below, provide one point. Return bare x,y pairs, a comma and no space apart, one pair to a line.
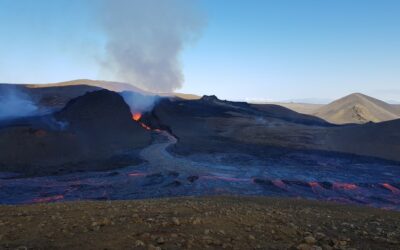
91,132
211,126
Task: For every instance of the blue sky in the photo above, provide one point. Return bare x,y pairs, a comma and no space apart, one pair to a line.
252,50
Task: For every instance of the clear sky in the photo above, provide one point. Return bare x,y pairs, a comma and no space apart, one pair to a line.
249,49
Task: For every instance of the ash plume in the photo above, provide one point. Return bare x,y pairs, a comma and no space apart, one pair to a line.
15,104
145,39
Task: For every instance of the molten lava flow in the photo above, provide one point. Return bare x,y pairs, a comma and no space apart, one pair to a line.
145,126
314,186
136,116
391,188
279,183
345,186
136,174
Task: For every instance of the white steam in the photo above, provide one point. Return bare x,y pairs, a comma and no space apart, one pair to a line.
15,104
138,102
145,39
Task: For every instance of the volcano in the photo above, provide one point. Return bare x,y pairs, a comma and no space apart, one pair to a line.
89,133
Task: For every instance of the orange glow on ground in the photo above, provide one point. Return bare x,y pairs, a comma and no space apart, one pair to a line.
315,186
136,174
391,188
279,183
145,126
345,186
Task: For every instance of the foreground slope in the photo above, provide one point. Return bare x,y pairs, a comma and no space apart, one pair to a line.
357,108
198,223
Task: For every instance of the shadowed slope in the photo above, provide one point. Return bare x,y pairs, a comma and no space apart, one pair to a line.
87,134
210,125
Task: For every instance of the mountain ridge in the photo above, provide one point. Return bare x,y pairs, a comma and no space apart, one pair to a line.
357,108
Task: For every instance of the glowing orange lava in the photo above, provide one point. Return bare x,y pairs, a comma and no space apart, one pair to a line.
136,116
345,186
279,183
391,188
145,126
136,174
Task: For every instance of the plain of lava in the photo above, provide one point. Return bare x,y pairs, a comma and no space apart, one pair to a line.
186,148
361,185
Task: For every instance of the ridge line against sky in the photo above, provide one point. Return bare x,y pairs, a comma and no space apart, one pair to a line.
260,50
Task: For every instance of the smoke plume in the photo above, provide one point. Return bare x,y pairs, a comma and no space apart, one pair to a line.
139,102
15,104
145,39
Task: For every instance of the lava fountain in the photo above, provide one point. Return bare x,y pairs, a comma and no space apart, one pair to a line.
136,117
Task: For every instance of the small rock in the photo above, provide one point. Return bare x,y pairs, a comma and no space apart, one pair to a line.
319,236
139,243
196,221
160,240
327,247
176,221
309,240
152,247
303,247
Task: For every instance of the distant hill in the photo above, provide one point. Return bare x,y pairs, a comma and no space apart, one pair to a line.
303,108
113,86
397,107
357,108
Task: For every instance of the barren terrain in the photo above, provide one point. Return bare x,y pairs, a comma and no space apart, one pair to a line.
198,223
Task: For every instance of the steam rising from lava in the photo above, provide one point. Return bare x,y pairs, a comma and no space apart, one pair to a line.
145,39
14,104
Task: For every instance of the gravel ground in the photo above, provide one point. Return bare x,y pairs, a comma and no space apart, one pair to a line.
198,223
